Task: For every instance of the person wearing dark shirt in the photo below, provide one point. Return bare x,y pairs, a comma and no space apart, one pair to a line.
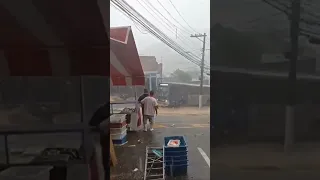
101,114
144,95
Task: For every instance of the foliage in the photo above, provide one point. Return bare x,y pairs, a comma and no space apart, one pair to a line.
181,76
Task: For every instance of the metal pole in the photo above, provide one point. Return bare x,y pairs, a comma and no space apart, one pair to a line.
6,147
161,70
84,134
202,65
294,33
150,82
202,69
135,93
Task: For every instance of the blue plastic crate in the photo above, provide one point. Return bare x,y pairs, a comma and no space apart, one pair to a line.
183,143
179,170
175,158
175,153
119,142
176,163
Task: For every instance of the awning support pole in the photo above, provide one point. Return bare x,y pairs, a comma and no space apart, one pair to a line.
82,113
135,93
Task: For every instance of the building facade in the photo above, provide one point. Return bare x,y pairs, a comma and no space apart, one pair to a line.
152,71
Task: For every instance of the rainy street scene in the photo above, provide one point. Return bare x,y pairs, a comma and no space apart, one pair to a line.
160,106
193,126
88,94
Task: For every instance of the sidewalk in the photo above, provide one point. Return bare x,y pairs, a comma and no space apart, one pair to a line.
184,111
270,157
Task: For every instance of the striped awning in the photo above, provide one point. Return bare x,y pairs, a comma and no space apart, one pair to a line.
63,38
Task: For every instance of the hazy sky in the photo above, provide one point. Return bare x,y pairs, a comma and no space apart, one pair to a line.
195,12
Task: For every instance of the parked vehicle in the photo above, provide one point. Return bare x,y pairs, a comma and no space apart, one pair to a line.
176,94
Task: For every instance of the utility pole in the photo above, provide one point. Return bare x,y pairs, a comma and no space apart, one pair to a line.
294,35
202,65
161,70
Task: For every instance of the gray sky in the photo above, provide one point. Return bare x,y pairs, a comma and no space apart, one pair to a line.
195,13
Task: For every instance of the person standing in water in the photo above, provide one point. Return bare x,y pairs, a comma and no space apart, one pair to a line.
150,106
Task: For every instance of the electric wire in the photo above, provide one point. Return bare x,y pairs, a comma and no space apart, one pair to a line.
151,31
182,17
169,29
155,31
186,29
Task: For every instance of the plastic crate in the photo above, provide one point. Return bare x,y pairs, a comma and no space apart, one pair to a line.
119,135
117,118
176,163
179,170
117,130
175,153
118,125
175,158
120,142
183,144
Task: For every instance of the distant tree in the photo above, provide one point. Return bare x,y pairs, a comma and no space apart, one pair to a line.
194,73
181,76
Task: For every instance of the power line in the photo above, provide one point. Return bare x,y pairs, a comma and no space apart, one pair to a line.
152,7
302,9
187,31
182,16
276,7
126,8
286,11
155,9
152,30
178,37
131,20
153,15
308,32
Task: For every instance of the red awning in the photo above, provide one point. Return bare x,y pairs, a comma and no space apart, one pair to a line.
125,65
65,38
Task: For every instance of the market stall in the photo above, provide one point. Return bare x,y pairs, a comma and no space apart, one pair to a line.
125,70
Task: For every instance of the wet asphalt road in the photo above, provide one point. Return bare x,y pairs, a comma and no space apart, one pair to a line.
262,175
194,128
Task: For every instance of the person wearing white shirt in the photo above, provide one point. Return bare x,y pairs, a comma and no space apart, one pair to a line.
150,106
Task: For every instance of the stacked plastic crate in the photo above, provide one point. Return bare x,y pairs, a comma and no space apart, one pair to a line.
175,158
118,129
